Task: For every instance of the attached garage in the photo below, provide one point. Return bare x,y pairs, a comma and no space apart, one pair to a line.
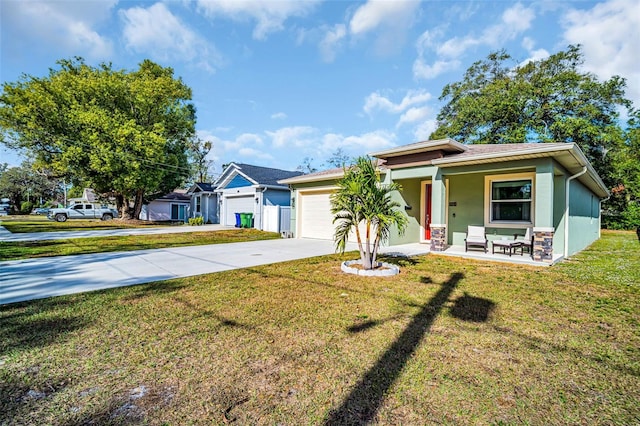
237,204
314,213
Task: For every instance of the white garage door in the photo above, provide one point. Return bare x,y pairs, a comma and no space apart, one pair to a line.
315,215
233,205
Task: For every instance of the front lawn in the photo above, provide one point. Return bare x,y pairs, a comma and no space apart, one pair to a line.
36,223
32,249
448,341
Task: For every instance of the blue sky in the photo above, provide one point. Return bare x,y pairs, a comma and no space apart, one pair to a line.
277,81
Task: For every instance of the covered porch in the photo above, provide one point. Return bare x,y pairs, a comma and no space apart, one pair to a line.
419,249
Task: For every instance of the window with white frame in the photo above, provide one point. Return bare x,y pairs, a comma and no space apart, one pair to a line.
509,199
198,204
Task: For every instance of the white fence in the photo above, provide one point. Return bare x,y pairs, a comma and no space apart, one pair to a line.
276,218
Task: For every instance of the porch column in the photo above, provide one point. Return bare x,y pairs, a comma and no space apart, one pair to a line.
438,213
543,229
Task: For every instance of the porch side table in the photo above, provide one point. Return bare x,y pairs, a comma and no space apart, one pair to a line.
509,245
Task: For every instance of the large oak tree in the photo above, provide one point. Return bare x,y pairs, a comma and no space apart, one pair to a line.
123,132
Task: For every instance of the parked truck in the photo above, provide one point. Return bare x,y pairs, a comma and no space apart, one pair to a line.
81,211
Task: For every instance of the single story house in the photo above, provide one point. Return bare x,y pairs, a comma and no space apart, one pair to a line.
244,188
173,206
448,186
204,202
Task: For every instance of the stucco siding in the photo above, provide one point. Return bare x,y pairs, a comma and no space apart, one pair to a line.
584,217
558,213
408,196
467,192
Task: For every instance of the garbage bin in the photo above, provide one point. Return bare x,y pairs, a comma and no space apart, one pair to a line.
246,219
238,220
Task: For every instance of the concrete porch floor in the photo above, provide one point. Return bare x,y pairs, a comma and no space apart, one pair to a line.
417,249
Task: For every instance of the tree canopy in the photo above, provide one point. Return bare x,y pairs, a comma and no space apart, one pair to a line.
23,183
118,131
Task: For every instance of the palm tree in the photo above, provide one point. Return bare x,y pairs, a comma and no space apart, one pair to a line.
361,199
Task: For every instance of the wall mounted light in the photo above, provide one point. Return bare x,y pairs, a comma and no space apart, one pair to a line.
408,207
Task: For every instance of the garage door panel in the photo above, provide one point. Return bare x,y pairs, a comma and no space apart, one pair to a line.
317,221
233,205
315,215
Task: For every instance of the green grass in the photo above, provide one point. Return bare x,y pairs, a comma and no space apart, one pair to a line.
32,249
35,223
448,341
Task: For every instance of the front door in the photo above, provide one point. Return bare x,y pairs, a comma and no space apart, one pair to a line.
427,211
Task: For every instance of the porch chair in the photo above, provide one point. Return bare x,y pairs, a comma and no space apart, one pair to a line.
476,236
526,240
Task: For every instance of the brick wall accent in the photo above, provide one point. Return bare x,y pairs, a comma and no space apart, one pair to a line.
543,245
438,237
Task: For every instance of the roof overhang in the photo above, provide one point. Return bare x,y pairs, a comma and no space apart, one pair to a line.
569,155
446,145
332,174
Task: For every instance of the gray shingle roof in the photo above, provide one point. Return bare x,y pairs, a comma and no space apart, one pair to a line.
265,175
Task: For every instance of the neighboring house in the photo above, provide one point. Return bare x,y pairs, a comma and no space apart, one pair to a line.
447,186
243,188
174,206
204,202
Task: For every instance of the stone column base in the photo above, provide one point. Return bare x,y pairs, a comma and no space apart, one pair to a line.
543,244
438,237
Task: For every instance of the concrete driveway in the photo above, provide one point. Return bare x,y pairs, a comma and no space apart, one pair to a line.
29,279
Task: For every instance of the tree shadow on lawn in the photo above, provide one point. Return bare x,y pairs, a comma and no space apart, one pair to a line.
35,324
362,404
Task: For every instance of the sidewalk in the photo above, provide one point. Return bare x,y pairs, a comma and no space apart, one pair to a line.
29,279
6,236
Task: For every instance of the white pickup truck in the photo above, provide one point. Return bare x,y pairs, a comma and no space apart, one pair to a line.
81,211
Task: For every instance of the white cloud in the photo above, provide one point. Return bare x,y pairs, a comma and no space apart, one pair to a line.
270,16
159,33
390,20
377,13
297,136
534,54
413,115
278,116
425,71
67,25
367,142
254,153
423,131
376,101
332,41
610,37
514,21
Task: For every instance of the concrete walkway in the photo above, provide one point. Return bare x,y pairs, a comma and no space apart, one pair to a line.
7,236
29,279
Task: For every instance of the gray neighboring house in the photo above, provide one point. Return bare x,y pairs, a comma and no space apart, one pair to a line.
173,206
204,202
244,188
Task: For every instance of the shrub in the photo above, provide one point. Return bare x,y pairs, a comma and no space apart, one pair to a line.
26,207
196,221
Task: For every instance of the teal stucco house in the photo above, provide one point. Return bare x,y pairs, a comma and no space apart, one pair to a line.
447,186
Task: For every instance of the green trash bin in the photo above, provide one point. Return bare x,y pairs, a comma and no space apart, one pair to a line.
246,220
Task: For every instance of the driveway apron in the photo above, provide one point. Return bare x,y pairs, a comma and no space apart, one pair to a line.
29,279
